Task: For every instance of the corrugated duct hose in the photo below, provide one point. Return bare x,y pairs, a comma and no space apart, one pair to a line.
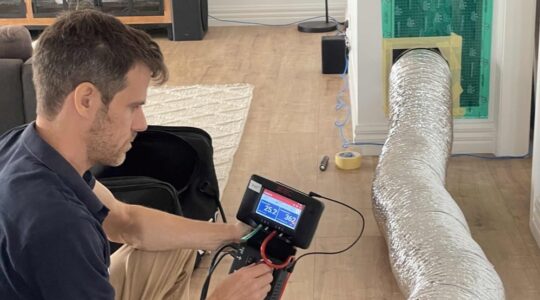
432,253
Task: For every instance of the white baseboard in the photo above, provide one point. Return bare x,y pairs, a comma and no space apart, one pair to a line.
274,13
470,136
535,223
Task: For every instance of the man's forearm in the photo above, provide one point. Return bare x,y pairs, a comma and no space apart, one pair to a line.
156,230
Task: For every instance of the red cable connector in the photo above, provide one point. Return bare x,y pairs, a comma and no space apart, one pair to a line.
265,258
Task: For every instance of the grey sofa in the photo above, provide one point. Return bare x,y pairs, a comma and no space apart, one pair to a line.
17,94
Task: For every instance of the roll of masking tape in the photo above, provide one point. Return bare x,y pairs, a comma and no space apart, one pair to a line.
348,160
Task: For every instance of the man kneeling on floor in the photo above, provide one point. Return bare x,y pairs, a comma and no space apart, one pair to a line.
91,75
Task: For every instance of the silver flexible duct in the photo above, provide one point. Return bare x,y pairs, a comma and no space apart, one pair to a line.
432,253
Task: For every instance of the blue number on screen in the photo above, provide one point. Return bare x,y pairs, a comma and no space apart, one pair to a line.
267,209
270,209
287,219
290,219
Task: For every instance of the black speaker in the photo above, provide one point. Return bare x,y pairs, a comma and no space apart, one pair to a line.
334,53
189,20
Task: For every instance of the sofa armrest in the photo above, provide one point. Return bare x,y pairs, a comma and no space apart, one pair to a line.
11,103
29,92
15,42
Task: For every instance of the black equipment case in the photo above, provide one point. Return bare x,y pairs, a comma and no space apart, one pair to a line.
168,168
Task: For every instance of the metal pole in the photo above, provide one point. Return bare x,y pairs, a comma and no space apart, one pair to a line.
326,8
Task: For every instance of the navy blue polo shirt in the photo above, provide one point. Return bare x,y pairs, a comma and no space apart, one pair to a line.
52,244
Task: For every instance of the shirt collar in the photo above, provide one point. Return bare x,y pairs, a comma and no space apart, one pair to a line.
53,160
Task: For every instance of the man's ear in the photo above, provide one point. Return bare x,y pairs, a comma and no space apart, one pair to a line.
87,100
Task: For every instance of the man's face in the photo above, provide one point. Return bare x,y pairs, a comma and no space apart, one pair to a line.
114,130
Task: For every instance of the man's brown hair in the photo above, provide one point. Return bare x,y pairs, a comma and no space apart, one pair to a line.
89,46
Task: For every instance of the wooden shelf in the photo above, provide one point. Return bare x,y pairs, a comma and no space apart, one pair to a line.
30,20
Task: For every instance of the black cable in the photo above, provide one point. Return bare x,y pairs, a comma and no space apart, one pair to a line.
312,194
271,25
221,211
211,270
215,261
491,158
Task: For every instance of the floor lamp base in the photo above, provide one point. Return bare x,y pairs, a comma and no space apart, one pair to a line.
317,26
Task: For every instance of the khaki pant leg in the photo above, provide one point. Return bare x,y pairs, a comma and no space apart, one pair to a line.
151,275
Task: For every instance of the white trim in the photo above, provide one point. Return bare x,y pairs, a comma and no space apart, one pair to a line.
535,229
365,76
470,136
279,13
352,43
474,136
535,221
512,73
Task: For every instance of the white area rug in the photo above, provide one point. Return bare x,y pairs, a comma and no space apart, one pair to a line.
221,110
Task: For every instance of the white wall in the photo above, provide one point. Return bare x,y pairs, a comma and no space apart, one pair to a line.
272,11
365,70
514,58
506,132
535,180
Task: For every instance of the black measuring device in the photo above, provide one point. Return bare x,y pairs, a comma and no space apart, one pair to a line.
286,219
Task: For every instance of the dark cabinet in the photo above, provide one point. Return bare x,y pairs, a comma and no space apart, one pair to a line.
132,7
12,9
48,8
117,7
184,19
51,8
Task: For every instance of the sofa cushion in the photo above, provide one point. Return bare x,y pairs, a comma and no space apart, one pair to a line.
15,42
11,106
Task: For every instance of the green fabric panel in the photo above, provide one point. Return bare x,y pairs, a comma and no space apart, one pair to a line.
472,19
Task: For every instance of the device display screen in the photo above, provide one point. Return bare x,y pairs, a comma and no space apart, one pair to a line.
279,209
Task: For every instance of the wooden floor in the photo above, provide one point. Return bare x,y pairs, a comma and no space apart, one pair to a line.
290,126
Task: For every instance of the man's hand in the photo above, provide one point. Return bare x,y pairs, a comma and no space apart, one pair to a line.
248,283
